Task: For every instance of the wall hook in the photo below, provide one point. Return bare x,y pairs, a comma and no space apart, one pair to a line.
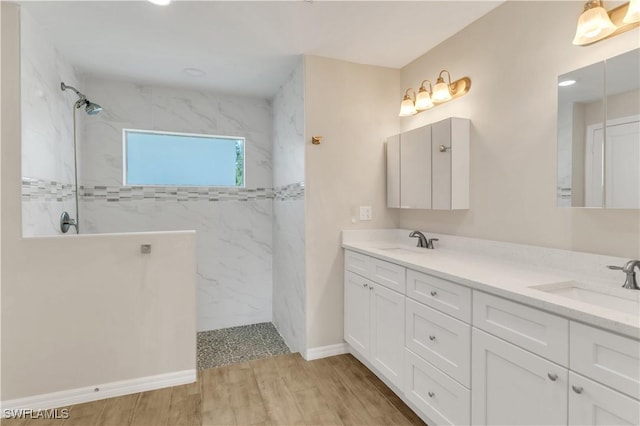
316,140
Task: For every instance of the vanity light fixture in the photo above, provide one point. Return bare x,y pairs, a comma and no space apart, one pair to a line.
440,93
408,106
160,2
595,23
423,98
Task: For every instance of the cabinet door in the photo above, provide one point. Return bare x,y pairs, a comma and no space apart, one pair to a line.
415,169
511,386
393,172
387,333
590,403
450,163
441,159
356,312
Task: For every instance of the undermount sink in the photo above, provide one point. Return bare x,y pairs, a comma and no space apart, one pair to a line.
615,298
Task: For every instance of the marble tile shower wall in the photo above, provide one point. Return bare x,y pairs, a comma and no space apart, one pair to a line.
47,130
289,280
234,226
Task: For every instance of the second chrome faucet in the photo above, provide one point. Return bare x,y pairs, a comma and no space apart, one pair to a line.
423,241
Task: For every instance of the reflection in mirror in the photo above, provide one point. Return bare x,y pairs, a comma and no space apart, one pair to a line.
580,106
622,147
598,165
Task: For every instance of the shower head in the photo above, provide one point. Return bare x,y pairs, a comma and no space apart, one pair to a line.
89,107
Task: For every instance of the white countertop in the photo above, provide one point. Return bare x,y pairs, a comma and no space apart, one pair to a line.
495,272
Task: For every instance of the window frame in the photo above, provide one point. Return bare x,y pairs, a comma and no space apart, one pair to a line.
125,159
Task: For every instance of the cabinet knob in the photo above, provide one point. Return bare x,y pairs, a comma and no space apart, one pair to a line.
552,376
432,338
577,389
434,293
443,148
365,285
370,287
431,394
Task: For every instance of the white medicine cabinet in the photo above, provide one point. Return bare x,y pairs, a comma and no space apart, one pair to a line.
428,167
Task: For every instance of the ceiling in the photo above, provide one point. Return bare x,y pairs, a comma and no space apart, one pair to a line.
244,47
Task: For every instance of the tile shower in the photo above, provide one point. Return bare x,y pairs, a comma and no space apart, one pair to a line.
243,234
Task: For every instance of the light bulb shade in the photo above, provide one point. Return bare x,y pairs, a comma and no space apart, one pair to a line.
423,100
407,107
594,24
441,92
633,12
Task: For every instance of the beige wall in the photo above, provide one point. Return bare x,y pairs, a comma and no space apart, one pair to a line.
354,107
513,56
84,310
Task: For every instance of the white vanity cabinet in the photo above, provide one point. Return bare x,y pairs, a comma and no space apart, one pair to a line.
428,167
533,367
461,356
374,314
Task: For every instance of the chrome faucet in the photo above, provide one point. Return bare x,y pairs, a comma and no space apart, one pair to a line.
630,269
423,241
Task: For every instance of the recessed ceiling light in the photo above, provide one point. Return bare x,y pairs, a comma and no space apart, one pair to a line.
160,2
194,72
565,83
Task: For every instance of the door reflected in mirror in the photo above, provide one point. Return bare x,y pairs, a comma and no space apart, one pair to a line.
598,165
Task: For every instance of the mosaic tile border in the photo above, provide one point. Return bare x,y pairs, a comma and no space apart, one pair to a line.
172,193
294,191
43,190
46,190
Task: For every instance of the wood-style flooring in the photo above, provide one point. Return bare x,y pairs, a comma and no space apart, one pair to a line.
282,390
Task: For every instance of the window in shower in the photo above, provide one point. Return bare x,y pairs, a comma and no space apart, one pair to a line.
163,158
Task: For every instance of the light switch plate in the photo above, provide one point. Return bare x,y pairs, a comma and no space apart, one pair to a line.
366,213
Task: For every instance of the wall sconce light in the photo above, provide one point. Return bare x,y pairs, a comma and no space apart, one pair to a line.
595,23
423,98
408,106
440,93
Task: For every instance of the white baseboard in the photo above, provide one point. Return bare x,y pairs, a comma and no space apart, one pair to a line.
325,351
107,390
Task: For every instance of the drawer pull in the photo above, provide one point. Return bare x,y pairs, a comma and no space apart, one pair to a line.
431,394
552,376
365,285
577,389
432,338
371,287
434,293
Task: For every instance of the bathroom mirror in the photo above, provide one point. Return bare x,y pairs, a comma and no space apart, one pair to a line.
598,165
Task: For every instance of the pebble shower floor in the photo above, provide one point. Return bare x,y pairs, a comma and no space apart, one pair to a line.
239,344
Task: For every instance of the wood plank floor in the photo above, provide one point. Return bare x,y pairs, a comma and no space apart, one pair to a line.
282,390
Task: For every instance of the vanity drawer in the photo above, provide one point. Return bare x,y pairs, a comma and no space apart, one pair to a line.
448,297
357,263
539,332
438,396
388,274
606,357
443,341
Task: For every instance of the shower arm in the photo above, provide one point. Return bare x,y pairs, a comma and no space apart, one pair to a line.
82,97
